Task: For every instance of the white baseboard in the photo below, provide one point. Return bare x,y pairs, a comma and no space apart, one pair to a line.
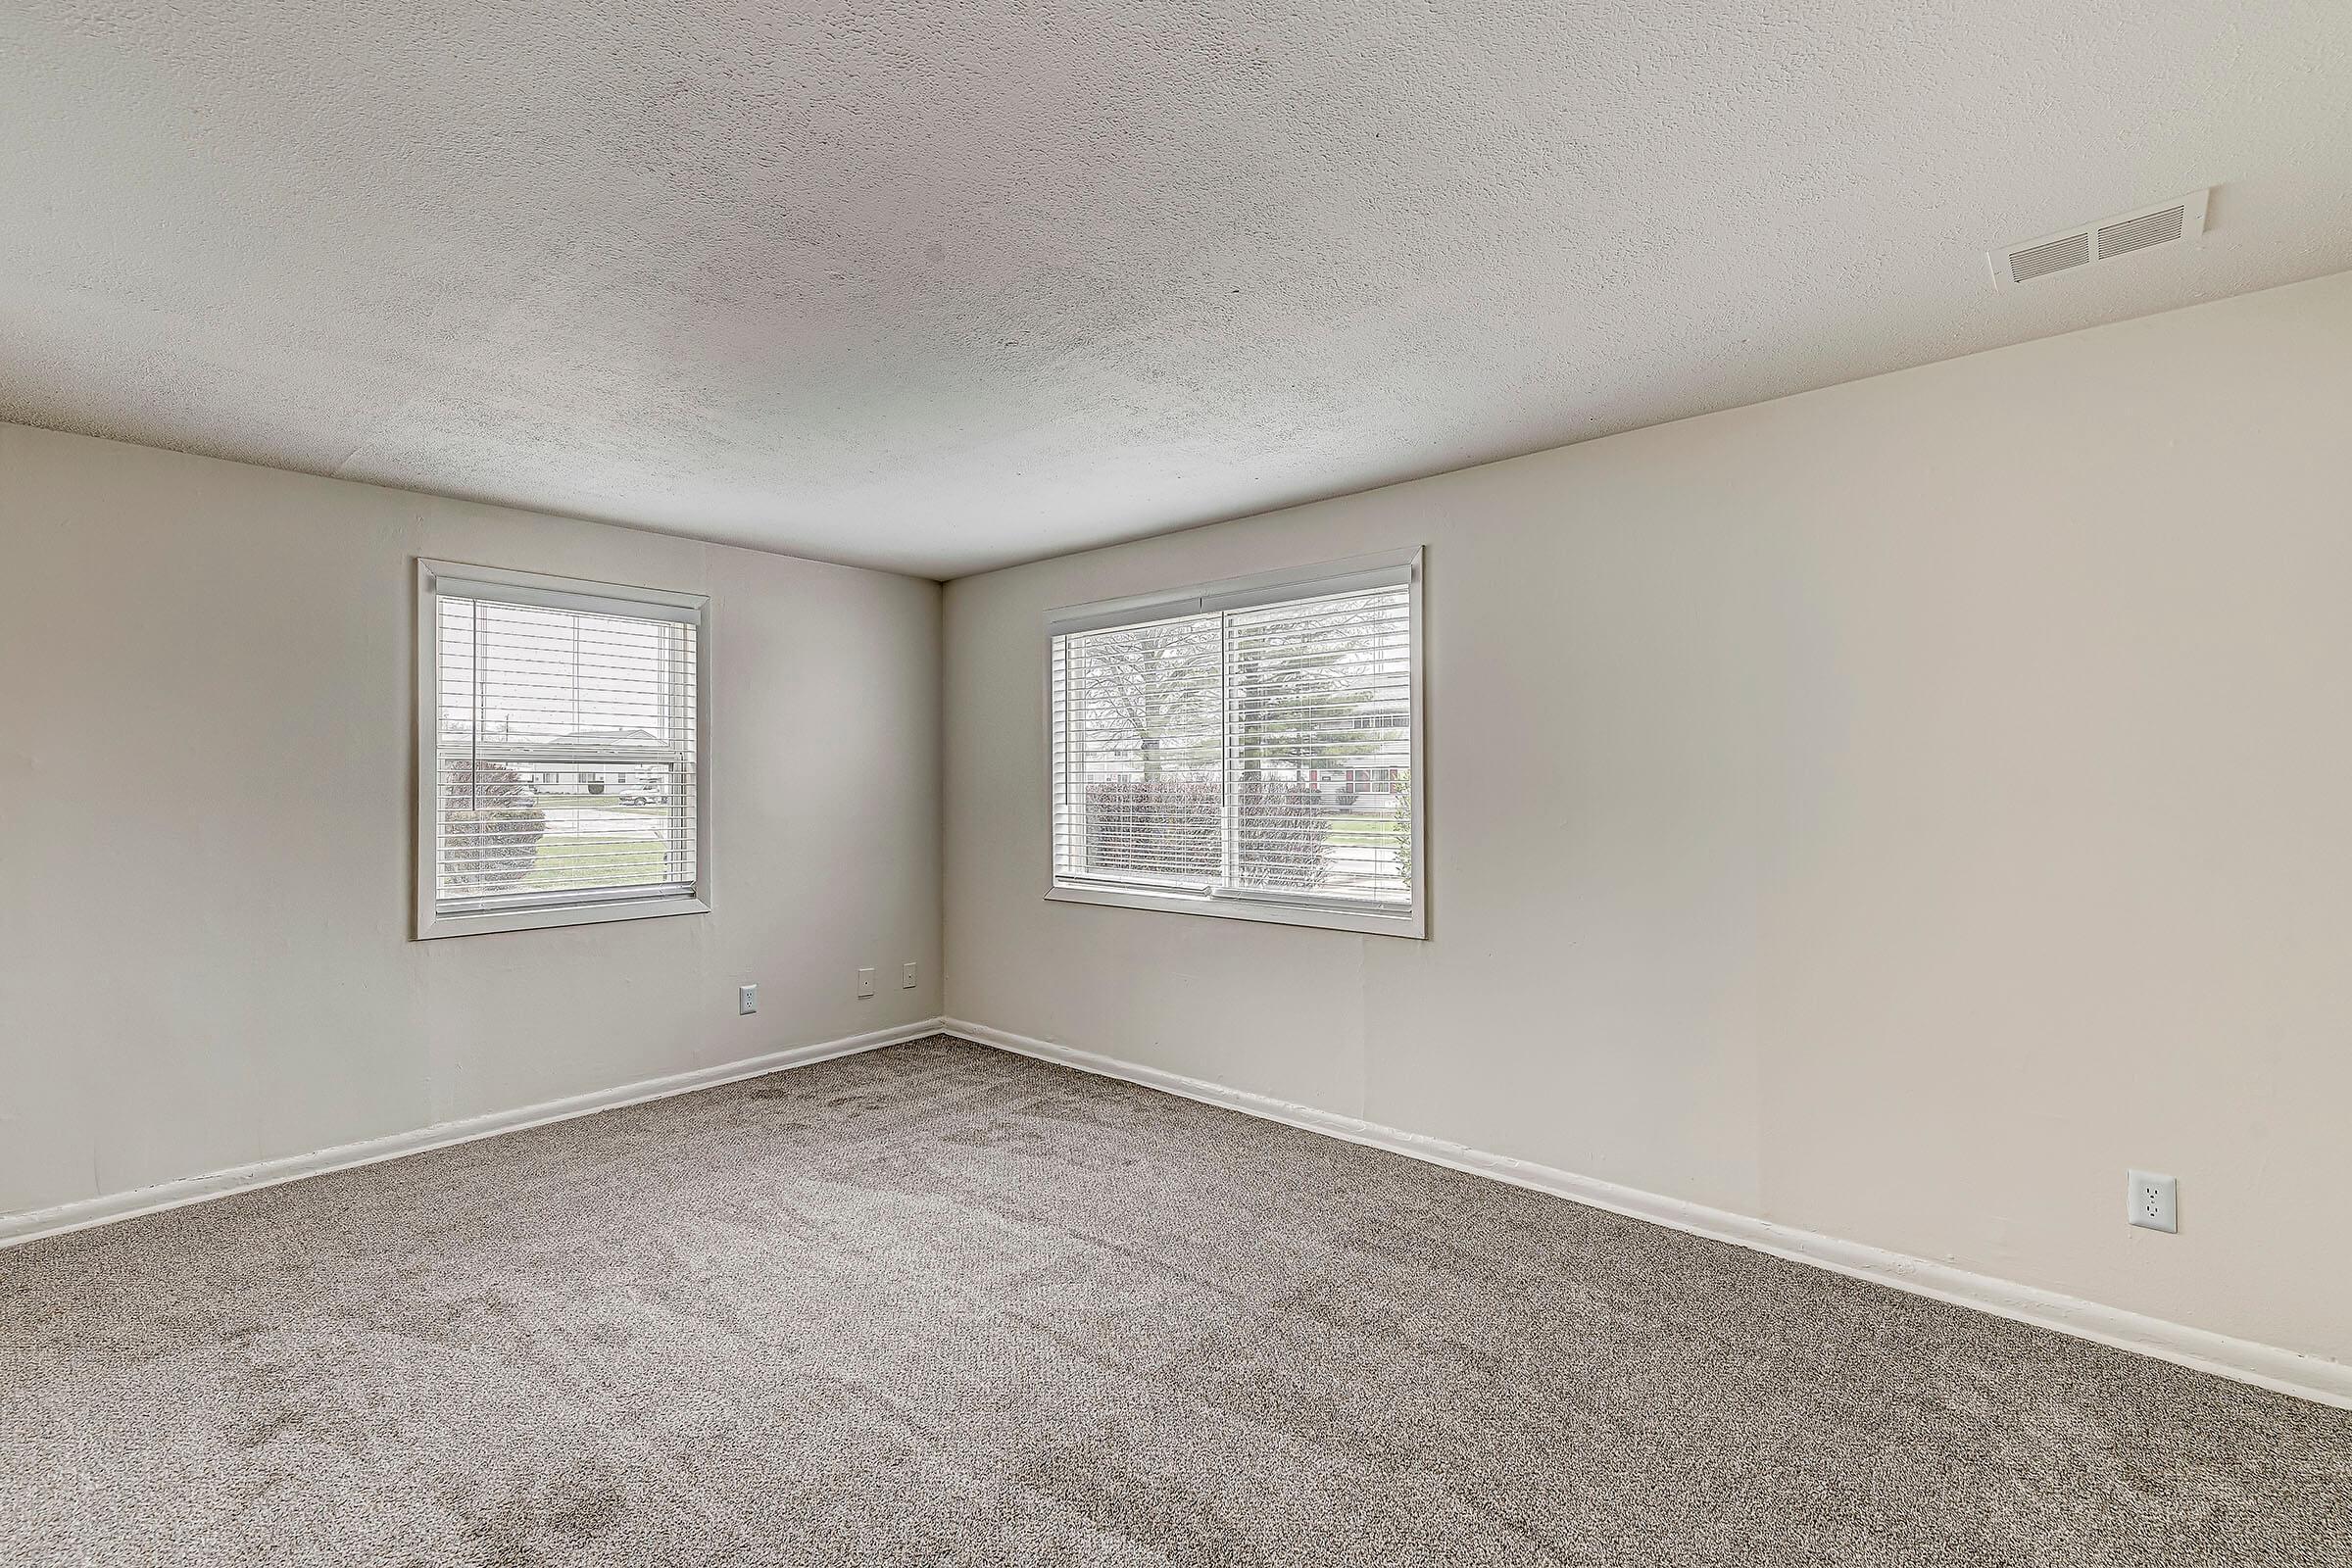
2263,1365
113,1207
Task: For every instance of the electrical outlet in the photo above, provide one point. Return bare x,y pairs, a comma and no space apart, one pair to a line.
747,999
906,975
2153,1199
866,982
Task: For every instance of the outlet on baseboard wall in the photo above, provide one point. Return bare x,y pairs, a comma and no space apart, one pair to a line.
866,982
2154,1202
907,980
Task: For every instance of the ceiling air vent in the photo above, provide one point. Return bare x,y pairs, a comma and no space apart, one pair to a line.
2056,256
2089,244
2138,233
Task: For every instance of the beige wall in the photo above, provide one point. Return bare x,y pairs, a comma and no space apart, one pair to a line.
206,742
1892,811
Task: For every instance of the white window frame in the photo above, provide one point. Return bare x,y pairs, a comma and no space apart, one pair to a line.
1235,593
562,593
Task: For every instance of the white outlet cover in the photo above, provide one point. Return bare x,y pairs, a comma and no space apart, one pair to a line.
907,980
866,982
2153,1202
747,999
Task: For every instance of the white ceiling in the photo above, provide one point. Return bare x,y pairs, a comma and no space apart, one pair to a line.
943,286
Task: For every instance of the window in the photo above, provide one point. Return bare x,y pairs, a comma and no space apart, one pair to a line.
1246,748
559,747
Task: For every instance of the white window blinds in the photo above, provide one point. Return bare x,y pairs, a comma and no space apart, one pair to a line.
1254,746
564,769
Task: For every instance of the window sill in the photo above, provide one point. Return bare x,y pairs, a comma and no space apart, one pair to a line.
432,925
1413,924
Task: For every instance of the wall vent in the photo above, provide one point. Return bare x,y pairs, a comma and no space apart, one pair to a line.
2087,245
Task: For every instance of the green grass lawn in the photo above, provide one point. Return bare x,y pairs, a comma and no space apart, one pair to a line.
637,860
1374,831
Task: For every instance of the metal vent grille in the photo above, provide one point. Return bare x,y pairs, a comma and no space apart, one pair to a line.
2073,250
2145,229
2138,233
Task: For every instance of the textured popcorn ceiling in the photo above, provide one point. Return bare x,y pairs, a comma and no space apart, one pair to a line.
943,286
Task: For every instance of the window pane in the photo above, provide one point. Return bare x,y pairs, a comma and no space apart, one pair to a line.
1262,751
1320,746
567,760
1137,733
527,675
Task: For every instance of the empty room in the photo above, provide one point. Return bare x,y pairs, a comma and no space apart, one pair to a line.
1176,785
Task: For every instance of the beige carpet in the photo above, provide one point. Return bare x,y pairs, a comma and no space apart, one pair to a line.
943,1305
